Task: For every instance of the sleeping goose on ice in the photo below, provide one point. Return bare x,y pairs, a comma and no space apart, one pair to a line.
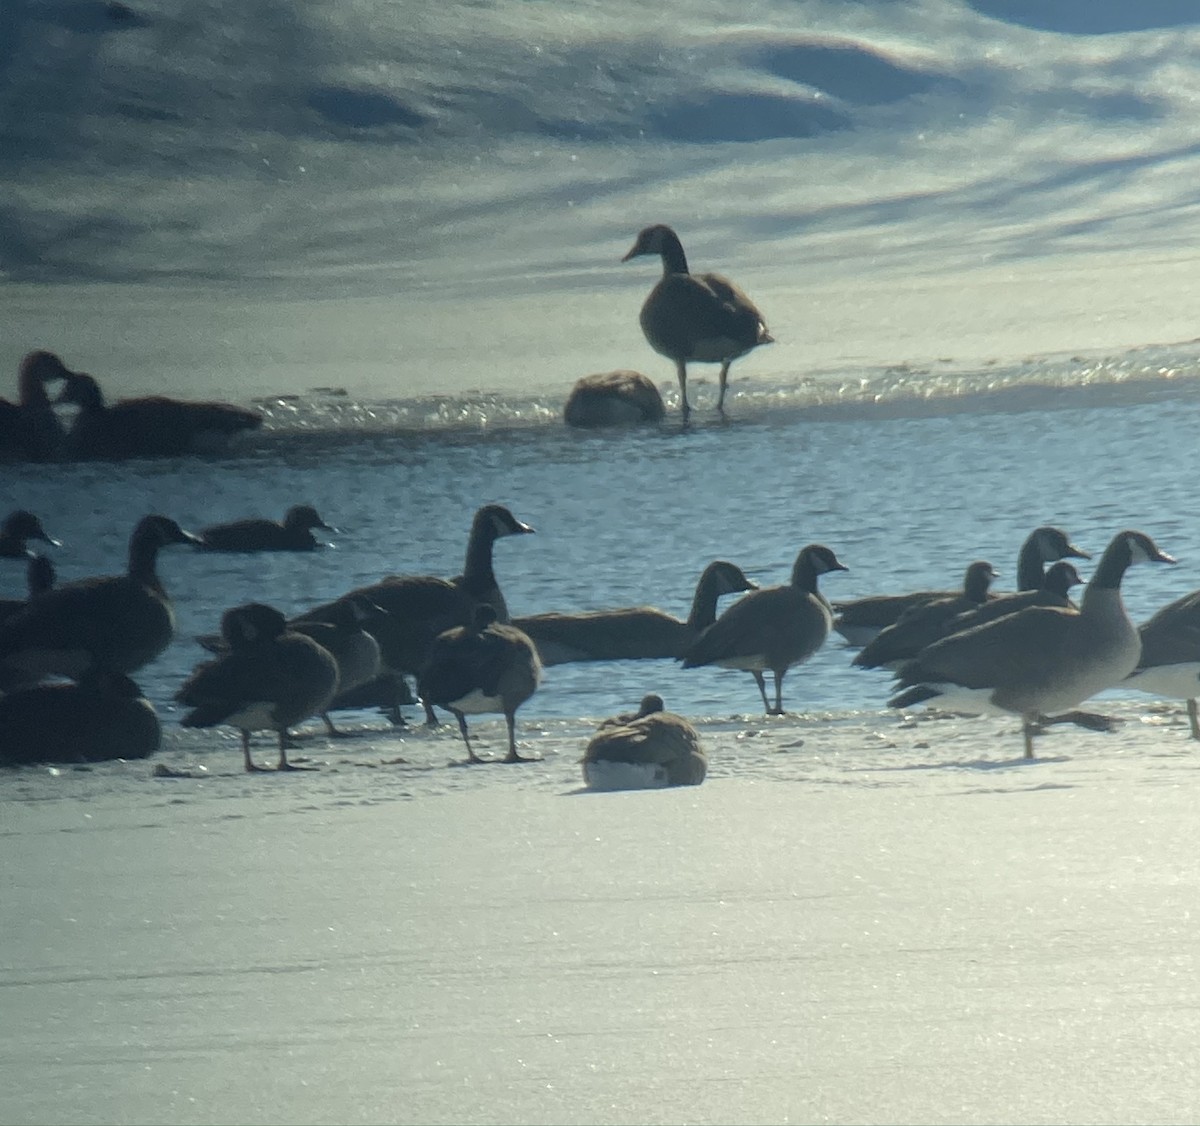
650,749
1039,661
696,318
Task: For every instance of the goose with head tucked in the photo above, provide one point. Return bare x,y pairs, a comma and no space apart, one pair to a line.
293,533
650,749
1042,660
695,318
634,633
29,428
17,529
772,629
270,678
115,622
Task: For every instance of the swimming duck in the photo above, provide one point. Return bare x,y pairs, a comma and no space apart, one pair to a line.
774,628
859,620
116,622
29,428
484,667
635,633
17,529
104,716
292,533
1170,660
698,318
154,426
270,679
1041,660
650,749
613,398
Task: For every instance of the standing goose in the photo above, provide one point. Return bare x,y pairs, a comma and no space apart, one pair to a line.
292,533
17,529
483,667
115,622
649,750
353,647
1170,660
861,619
636,633
774,628
270,678
701,318
1039,661
29,428
148,427
925,622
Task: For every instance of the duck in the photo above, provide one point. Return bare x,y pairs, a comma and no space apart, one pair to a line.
292,533
859,620
925,622
117,622
484,667
270,678
650,749
102,717
697,318
772,629
1041,660
17,529
613,398
29,428
1170,661
154,426
634,633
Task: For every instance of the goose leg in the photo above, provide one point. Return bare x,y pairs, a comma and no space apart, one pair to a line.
334,733
722,379
462,726
1192,718
1029,726
284,740
251,768
681,373
510,719
431,719
762,689
778,692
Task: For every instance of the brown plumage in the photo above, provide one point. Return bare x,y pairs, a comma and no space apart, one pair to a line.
613,398
649,749
292,533
695,318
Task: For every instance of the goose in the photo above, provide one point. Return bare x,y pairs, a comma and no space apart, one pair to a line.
29,428
927,621
772,629
40,576
636,633
1170,660
701,318
613,398
271,678
861,619
1041,660
117,622
292,533
104,716
650,749
17,529
154,426
484,667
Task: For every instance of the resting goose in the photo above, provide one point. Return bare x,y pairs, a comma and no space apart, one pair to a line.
292,533
116,622
270,678
613,398
1170,660
651,749
1039,661
483,667
154,426
772,629
103,717
925,622
637,633
17,529
346,636
697,318
861,619
29,428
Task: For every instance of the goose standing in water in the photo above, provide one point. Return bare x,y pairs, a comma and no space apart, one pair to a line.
649,750
17,529
29,428
115,622
636,633
292,533
772,629
1039,661
269,679
1170,661
483,667
697,318
859,620
153,426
